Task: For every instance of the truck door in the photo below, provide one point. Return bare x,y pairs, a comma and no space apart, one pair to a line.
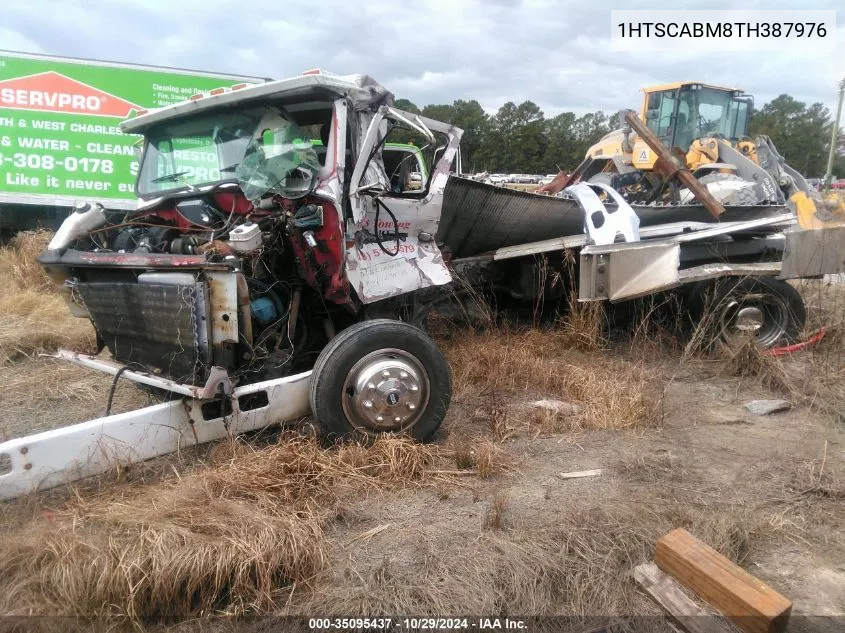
390,236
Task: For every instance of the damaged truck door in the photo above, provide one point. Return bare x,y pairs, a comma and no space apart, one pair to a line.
391,248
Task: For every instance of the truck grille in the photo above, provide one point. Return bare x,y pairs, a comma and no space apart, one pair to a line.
160,327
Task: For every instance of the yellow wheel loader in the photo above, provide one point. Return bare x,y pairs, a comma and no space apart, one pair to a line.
689,134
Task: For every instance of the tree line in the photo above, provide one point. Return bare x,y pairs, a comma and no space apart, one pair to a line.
521,139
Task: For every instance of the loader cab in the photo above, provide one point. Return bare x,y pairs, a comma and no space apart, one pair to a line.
680,113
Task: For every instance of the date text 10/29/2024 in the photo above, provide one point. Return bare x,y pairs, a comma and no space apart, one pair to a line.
416,624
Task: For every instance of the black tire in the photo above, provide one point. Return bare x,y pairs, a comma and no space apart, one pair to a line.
337,403
715,305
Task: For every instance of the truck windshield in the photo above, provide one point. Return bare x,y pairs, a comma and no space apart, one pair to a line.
199,151
262,149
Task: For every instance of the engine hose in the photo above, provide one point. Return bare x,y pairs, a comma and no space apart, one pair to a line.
294,314
113,388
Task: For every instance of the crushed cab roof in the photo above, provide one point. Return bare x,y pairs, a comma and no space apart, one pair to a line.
363,90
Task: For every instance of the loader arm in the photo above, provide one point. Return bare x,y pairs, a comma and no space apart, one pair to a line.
814,211
765,183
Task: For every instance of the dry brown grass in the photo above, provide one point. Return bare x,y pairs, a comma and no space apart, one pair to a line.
580,564
43,393
462,453
823,379
34,317
18,265
496,516
547,421
652,469
481,455
747,360
584,324
489,459
228,538
614,393
823,477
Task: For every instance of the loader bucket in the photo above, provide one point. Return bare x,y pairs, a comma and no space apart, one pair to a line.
819,212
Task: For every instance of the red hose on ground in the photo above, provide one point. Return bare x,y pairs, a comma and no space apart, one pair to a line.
814,338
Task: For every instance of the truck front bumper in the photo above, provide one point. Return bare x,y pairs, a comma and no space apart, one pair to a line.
53,458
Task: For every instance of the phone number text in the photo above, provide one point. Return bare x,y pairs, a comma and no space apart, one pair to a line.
49,163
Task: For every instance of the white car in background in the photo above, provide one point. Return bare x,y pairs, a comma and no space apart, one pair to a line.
497,179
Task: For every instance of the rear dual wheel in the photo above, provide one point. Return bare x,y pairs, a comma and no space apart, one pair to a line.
768,310
381,376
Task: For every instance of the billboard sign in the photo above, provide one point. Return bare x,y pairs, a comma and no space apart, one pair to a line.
59,136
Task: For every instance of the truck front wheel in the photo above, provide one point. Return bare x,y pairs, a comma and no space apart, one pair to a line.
380,376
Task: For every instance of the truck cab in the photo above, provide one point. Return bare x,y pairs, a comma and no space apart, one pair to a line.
267,224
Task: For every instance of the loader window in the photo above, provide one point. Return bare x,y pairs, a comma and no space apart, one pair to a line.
661,117
683,131
711,107
739,118
718,112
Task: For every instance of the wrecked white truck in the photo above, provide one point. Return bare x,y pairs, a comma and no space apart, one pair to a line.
266,276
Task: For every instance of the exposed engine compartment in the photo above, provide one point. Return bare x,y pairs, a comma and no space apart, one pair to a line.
149,283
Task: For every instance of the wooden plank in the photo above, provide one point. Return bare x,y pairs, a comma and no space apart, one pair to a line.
751,604
577,474
369,533
683,609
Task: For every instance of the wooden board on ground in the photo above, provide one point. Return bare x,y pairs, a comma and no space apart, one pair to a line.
751,604
684,610
578,474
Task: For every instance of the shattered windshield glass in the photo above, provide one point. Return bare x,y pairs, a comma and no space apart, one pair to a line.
198,151
260,148
280,159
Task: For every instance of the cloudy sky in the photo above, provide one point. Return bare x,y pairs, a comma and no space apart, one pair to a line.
431,51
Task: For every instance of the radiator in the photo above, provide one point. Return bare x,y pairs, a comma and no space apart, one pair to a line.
159,327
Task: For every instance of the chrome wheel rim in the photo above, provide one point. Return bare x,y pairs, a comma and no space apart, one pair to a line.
757,315
386,391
